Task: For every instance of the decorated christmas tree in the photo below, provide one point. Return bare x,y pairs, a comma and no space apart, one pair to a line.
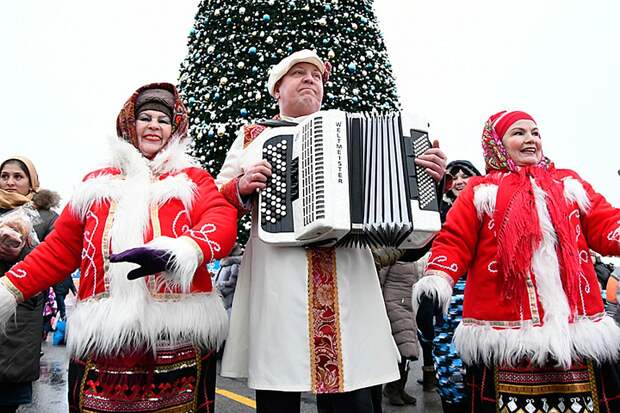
233,45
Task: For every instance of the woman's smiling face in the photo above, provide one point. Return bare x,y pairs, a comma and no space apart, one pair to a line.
522,143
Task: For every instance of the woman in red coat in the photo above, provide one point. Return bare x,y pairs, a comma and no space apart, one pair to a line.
534,333
141,338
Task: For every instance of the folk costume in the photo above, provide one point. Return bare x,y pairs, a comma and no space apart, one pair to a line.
534,333
303,319
146,344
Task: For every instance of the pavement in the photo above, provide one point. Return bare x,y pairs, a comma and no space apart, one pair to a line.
50,391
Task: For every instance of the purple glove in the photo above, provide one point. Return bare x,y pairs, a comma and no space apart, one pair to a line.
151,261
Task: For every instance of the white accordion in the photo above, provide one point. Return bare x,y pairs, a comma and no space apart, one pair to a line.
347,180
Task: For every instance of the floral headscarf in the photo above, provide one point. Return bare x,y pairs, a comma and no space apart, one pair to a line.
126,121
495,155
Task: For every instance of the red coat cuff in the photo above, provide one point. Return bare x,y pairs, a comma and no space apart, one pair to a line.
230,190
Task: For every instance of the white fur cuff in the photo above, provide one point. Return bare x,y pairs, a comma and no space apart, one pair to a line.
8,306
435,287
185,259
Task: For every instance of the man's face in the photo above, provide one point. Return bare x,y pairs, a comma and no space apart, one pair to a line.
300,91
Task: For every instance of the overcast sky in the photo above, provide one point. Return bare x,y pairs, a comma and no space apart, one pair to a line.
68,66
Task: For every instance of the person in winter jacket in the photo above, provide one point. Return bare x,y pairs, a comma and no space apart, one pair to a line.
448,365
20,345
141,337
61,290
534,334
226,278
50,309
396,283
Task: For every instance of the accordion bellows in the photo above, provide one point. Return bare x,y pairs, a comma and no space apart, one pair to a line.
348,180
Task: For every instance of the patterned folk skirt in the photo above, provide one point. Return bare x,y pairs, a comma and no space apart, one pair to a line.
179,378
584,388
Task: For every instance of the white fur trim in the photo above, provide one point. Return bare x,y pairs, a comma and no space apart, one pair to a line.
129,160
172,158
484,199
575,192
106,326
8,306
596,340
93,191
546,272
174,186
185,259
435,287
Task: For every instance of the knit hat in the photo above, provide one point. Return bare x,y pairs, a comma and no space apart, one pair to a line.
155,99
278,71
463,165
452,169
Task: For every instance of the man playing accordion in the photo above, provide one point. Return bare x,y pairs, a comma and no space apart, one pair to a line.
305,319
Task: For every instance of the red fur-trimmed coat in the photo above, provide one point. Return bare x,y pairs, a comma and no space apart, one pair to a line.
540,327
168,203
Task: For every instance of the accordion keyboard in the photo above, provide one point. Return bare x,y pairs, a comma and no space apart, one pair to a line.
425,184
275,200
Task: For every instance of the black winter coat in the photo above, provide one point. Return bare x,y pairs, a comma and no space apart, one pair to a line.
20,347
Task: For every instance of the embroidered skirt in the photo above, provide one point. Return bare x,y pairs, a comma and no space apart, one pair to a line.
584,388
178,378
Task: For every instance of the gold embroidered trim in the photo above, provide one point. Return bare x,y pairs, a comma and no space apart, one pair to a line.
8,284
311,322
522,323
496,383
494,323
441,274
592,386
105,245
198,374
168,296
89,366
323,309
156,226
569,388
195,245
531,296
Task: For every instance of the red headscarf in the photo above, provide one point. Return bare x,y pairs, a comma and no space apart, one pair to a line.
519,232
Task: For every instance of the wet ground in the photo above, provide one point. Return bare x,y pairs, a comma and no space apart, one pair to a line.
50,391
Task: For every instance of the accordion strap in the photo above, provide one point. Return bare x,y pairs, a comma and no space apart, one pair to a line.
275,123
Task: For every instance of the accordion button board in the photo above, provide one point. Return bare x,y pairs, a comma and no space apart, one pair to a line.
276,199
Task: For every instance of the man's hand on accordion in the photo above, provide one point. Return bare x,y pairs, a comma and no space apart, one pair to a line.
434,160
254,178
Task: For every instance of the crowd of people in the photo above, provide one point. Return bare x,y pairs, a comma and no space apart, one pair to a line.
504,305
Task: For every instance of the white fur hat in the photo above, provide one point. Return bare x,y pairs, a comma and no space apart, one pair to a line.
278,71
